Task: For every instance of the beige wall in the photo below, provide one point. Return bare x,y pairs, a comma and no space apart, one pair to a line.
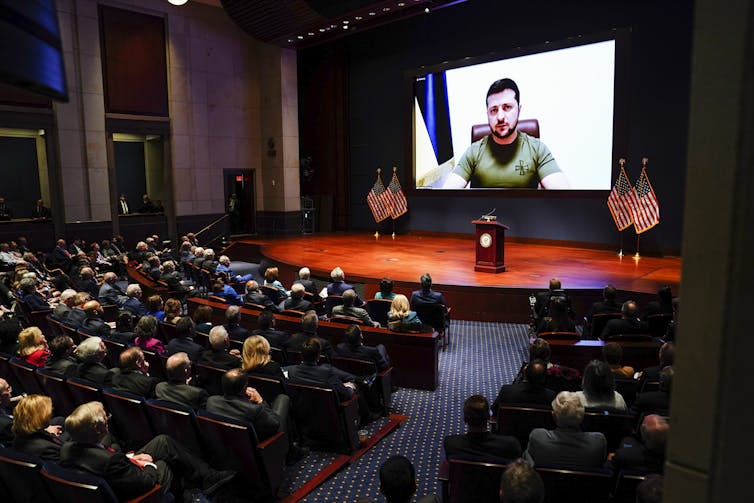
223,86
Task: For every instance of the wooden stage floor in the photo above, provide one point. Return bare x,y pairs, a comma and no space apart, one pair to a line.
450,261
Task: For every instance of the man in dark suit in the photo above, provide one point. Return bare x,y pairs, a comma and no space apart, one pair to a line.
173,278
339,285
210,263
608,305
666,356
233,324
532,392
309,323
110,293
426,295
177,388
647,454
91,352
131,476
304,278
663,304
76,315
184,340
245,404
134,374
40,211
354,348
61,257
349,309
398,482
123,208
255,296
218,356
86,282
478,443
93,324
655,402
61,360
296,302
627,324
542,303
266,328
33,299
133,303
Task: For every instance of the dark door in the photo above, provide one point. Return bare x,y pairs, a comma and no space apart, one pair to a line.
242,216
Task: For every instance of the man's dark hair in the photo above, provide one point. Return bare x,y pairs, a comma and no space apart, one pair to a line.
234,382
539,349
666,379
598,383
124,322
310,351
309,322
520,483
265,320
59,346
536,373
555,284
353,336
185,328
130,358
386,286
609,292
426,281
650,489
612,352
667,354
397,479
476,410
501,85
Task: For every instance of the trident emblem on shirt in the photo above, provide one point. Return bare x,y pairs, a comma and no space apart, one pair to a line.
522,168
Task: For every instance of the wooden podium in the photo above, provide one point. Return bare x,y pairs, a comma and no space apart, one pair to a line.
490,246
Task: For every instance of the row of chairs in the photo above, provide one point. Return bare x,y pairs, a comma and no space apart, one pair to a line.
467,481
27,478
657,323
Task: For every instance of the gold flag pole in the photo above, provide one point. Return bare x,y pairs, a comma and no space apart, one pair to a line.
644,161
622,162
395,170
377,232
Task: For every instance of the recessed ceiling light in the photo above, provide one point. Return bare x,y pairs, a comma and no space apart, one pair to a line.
358,18
311,33
346,21
371,13
401,4
321,30
177,2
385,9
300,37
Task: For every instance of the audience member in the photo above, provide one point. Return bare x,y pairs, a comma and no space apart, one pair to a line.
33,299
348,309
33,433
93,324
608,305
666,356
401,318
110,293
663,304
266,328
132,476
133,302
76,316
426,295
218,355
543,300
61,360
257,360
338,286
520,483
567,445
297,301
398,481
354,347
184,340
224,267
386,290
146,332
558,318
134,374
598,387
32,346
91,352
177,388
154,305
478,443
6,418
647,454
612,353
9,330
271,280
657,402
255,296
203,319
309,323
65,303
304,278
226,292
86,282
233,324
173,309
629,323
532,392
124,329
559,377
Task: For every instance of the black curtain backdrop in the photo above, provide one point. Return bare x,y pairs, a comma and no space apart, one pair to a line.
19,176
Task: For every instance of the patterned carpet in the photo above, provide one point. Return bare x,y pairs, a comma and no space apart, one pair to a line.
480,358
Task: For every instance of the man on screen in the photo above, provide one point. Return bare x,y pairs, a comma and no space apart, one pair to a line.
506,158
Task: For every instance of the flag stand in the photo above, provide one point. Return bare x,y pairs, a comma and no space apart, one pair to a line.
636,255
620,252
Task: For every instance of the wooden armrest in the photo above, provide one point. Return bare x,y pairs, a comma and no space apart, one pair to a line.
444,472
153,494
271,440
350,400
385,372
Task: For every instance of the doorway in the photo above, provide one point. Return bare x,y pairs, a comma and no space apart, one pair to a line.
242,212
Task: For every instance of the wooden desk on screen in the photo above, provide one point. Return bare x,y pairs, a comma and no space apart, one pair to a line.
414,356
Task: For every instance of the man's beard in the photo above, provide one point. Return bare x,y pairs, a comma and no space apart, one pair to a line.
510,132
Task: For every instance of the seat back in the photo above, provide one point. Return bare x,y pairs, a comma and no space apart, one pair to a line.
232,445
272,293
56,387
168,331
613,424
625,486
658,324
322,420
39,319
83,390
20,476
292,312
54,325
599,321
627,387
156,364
69,485
576,486
380,389
26,376
5,371
110,312
378,310
71,332
520,421
473,481
175,420
129,420
348,320
209,378
432,315
629,338
268,387
331,302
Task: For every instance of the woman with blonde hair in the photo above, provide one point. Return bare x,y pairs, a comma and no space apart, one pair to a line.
271,280
256,358
32,346
401,318
173,310
31,426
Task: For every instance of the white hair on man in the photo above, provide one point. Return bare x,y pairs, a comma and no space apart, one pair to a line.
304,273
218,338
89,349
133,290
224,260
297,291
567,410
199,251
337,274
209,252
67,295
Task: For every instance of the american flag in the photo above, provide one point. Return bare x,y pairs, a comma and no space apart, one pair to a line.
378,200
618,201
398,198
645,208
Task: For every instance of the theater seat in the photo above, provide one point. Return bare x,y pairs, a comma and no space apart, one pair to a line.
563,485
322,419
20,477
472,481
68,485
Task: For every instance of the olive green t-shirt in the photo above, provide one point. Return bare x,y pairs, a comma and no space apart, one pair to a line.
523,163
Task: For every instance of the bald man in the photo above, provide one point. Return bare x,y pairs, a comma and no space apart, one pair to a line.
94,324
647,454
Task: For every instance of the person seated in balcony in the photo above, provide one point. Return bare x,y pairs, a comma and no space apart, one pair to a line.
297,301
629,323
386,290
354,347
401,318
257,360
348,308
218,355
178,388
33,433
598,385
32,346
146,335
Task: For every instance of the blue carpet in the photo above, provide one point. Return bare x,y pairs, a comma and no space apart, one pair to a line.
480,358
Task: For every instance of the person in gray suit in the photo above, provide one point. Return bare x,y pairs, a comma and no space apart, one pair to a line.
177,388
